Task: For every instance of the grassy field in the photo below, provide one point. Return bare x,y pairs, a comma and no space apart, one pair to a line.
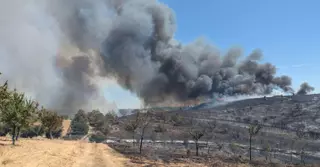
57,153
42,152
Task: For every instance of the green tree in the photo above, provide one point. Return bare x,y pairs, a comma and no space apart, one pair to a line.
51,121
79,124
111,118
96,119
15,113
27,115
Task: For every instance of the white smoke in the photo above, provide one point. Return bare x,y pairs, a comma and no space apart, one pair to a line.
30,40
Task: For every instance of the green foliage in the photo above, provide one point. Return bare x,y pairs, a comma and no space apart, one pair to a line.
96,119
16,111
51,122
54,134
105,129
111,118
4,129
98,137
32,131
79,124
65,117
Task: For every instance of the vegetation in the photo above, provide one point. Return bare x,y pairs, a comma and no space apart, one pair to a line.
132,126
253,131
144,121
79,124
51,122
197,131
32,131
18,114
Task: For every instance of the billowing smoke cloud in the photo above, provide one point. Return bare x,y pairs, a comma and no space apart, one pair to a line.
61,51
141,53
305,88
39,56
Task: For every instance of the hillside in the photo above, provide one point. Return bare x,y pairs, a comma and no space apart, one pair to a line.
280,116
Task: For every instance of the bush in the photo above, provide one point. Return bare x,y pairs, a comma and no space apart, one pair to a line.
4,129
33,131
79,128
55,134
98,137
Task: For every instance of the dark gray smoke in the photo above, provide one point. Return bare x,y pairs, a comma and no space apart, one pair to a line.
58,52
305,88
141,53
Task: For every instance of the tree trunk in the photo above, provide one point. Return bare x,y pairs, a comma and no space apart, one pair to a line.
133,139
197,148
13,134
208,147
140,148
50,134
250,147
18,133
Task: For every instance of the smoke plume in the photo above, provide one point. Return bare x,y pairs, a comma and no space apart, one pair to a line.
62,52
305,88
142,54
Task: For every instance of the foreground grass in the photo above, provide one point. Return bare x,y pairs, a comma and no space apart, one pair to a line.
57,153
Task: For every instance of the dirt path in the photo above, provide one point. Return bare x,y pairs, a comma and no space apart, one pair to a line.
57,153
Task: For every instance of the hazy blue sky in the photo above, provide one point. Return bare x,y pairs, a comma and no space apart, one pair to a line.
287,31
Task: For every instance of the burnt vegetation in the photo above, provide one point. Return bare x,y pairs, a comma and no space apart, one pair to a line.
271,130
279,129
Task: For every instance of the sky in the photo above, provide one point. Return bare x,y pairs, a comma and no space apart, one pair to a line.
287,31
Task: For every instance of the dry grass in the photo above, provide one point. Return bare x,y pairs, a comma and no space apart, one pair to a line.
66,126
42,152
57,153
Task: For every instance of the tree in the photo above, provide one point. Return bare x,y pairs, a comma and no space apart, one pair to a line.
51,121
299,129
27,115
197,131
132,125
209,133
143,123
253,131
111,118
79,124
15,113
4,129
96,119
32,131
160,126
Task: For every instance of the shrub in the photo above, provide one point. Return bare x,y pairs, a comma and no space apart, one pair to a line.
98,137
79,128
33,131
55,134
4,129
